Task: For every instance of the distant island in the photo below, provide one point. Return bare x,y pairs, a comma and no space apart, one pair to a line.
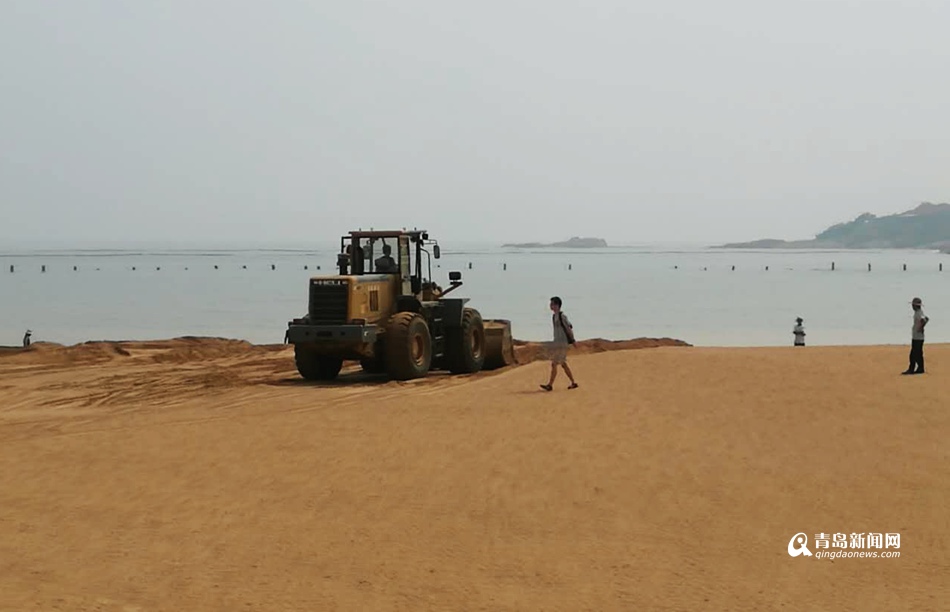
924,227
573,243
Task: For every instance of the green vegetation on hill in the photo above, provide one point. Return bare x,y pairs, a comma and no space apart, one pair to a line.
924,227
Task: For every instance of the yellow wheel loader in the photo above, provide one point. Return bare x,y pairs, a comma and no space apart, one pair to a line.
384,310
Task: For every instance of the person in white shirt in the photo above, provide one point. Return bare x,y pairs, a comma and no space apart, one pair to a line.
917,338
799,331
563,337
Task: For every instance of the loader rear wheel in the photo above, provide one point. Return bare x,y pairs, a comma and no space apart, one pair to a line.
408,346
465,346
316,367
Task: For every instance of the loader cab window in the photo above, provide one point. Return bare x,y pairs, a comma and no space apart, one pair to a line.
404,268
380,255
353,260
404,256
386,263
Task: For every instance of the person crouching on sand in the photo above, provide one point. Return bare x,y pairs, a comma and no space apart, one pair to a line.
563,337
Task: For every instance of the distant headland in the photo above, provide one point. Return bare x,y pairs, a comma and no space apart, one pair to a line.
573,243
924,227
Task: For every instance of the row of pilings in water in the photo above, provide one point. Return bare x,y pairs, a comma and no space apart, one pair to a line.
504,266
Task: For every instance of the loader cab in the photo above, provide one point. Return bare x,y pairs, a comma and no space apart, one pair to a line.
404,254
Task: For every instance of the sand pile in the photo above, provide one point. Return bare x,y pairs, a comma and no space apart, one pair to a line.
49,353
194,350
190,349
528,352
184,350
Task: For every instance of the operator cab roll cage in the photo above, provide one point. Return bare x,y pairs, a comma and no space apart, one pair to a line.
352,258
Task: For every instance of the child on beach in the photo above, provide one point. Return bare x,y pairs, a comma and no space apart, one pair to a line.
799,332
563,337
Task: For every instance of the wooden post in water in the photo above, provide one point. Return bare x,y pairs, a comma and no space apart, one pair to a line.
832,266
11,269
905,267
504,266
75,269
273,267
733,268
43,268
869,267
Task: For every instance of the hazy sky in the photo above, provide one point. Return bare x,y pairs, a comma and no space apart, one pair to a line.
494,120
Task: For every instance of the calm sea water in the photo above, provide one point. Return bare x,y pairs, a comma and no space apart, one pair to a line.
688,293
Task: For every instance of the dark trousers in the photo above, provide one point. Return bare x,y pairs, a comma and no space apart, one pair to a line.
916,356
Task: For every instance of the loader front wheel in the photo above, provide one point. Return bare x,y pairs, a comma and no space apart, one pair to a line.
316,367
465,346
408,346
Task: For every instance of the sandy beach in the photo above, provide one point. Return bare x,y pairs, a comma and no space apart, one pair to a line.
201,474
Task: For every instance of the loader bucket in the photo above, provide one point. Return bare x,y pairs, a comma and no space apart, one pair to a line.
499,348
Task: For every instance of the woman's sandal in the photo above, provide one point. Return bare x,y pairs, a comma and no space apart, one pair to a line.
547,387
573,386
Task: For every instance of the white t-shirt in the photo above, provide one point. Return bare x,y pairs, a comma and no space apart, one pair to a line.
799,332
916,332
560,337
